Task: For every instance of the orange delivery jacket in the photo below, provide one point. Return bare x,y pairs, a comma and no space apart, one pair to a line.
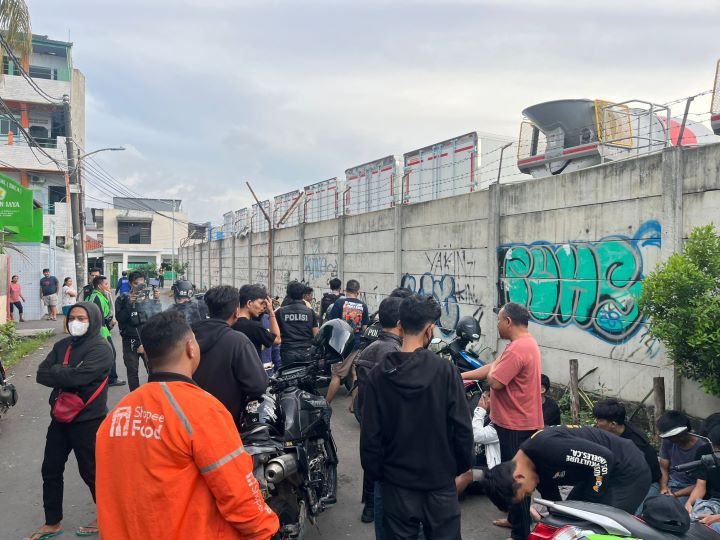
170,464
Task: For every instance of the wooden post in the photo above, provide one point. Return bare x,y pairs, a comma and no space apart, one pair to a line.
658,400
574,391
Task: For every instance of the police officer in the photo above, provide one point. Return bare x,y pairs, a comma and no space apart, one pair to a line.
185,304
132,310
298,325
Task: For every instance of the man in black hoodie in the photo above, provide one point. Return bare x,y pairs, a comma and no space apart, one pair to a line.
230,368
329,298
78,364
416,435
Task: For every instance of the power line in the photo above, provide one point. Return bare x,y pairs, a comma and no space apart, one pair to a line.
26,76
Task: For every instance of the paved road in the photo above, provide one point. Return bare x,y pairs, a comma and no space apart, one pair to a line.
22,439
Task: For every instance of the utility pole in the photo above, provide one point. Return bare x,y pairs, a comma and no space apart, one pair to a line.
74,185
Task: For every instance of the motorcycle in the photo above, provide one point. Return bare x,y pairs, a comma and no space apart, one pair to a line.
467,331
287,433
8,393
570,520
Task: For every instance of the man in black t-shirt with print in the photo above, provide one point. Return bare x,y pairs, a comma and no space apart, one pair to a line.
355,312
298,325
610,416
704,501
254,303
602,467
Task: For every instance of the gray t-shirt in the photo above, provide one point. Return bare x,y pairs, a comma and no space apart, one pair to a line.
678,456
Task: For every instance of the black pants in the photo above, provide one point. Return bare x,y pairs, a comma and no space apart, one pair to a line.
18,305
113,371
623,491
61,439
368,491
405,509
132,361
519,514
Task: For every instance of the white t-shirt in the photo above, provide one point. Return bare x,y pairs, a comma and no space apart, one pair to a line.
67,299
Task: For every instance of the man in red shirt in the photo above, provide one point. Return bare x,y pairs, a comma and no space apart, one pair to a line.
514,380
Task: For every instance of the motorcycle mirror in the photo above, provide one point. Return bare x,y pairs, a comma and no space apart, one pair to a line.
436,341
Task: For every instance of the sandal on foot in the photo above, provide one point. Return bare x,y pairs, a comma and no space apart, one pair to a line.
504,523
39,535
87,530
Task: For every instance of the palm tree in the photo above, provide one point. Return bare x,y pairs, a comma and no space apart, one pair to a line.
15,26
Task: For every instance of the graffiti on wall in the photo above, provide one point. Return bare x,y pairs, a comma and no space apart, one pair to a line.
592,285
317,266
449,280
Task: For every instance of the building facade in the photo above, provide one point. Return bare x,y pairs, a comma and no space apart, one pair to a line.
39,162
138,232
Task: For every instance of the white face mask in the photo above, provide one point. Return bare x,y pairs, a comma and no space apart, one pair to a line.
78,328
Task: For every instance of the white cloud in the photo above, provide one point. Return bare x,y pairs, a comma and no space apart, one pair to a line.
207,94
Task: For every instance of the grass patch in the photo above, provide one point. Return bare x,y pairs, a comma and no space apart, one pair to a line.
24,347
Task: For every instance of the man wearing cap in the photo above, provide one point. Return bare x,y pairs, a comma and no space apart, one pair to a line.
678,446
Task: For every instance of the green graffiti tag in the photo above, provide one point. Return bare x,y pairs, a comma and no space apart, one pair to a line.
593,285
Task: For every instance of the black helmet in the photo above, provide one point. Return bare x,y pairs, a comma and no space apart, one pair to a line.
467,328
182,288
334,341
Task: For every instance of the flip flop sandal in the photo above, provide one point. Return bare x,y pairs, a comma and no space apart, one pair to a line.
87,531
44,535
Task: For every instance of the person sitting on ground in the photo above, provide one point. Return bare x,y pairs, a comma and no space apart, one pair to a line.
388,341
678,446
185,473
610,415
254,303
551,411
298,325
230,368
704,502
484,434
602,467
329,298
410,394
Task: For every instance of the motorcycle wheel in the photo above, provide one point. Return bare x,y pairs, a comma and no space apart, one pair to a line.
330,488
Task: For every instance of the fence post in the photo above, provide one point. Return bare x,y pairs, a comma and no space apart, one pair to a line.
658,400
301,250
574,391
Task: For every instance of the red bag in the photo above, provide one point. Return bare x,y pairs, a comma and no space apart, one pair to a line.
69,404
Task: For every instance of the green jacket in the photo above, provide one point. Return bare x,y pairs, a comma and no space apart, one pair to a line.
100,301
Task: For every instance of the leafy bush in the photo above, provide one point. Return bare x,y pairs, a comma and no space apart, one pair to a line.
9,338
682,299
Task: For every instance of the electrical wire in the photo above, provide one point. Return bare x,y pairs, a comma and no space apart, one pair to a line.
26,76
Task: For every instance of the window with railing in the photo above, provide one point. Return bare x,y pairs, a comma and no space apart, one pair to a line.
134,232
56,194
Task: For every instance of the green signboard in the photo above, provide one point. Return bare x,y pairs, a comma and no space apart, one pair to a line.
16,204
33,233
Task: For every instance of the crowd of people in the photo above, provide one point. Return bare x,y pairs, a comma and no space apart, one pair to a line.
185,472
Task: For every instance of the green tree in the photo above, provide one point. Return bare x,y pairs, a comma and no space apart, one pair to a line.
682,299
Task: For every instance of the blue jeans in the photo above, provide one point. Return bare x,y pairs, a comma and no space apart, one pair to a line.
709,506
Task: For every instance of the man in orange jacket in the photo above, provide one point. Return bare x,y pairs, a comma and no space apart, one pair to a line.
170,462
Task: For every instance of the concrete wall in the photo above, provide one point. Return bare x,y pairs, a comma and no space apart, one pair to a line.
28,265
575,248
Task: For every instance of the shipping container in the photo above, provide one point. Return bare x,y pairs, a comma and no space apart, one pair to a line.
242,221
322,201
372,186
282,204
258,222
454,167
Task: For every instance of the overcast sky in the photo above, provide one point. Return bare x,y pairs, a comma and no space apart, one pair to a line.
207,94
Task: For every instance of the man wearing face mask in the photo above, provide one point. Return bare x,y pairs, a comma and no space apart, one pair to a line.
78,364
417,471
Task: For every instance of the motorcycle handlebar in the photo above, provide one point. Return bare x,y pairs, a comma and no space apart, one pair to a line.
707,461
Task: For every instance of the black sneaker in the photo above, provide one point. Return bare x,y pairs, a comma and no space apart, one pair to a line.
368,513
117,382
